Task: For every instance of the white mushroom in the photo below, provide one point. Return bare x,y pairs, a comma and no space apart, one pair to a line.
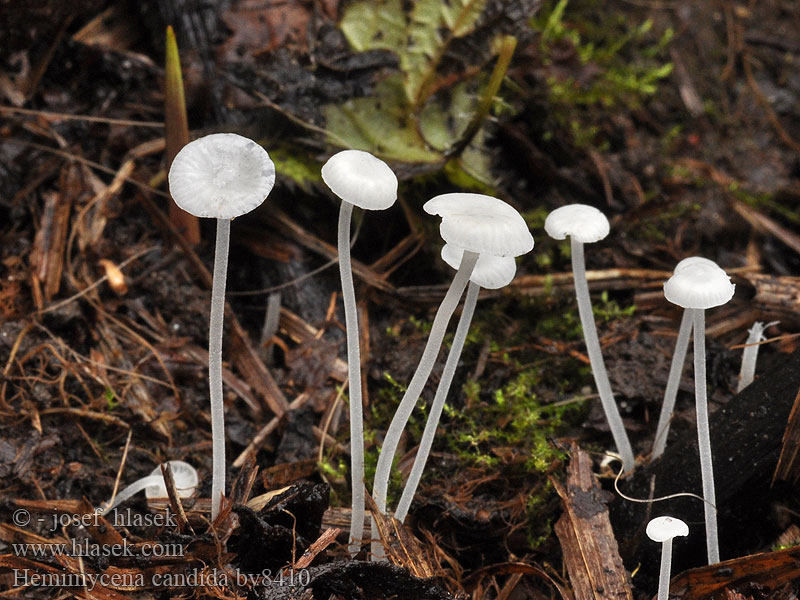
184,474
476,224
663,530
359,179
222,176
676,367
696,287
585,224
491,272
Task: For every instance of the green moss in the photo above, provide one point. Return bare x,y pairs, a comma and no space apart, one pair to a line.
610,310
512,418
622,64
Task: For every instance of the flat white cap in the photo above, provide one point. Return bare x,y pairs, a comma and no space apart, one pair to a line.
481,224
662,529
581,222
361,179
699,284
185,476
490,272
222,176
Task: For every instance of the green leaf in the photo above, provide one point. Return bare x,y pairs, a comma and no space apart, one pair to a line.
380,124
375,25
419,38
303,171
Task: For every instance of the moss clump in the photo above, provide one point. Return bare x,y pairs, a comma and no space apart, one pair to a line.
621,64
481,432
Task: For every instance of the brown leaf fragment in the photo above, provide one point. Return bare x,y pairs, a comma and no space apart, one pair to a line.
254,371
264,26
590,549
776,296
769,571
788,468
112,29
325,539
47,258
402,548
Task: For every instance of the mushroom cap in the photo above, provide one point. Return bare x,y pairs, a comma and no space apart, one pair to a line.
481,224
699,284
582,222
361,179
185,476
490,272
222,176
662,529
695,260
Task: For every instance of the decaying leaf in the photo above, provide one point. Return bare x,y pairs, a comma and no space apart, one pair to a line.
418,114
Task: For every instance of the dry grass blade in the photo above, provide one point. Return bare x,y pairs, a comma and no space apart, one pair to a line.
177,132
261,437
288,227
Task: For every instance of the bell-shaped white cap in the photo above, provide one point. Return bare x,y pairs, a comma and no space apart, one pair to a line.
490,272
361,179
699,284
581,222
185,476
662,529
222,176
481,224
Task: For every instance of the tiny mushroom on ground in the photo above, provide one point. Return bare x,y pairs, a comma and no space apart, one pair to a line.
362,180
221,176
676,367
663,530
490,272
697,286
184,474
585,224
476,224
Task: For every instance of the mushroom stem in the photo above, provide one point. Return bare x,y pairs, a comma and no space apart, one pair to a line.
750,354
215,364
596,357
438,401
673,382
131,490
354,376
703,436
416,385
666,569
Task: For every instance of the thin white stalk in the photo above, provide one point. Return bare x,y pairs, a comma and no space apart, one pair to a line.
132,490
666,569
673,382
354,375
703,435
748,371
438,402
420,377
215,364
596,358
